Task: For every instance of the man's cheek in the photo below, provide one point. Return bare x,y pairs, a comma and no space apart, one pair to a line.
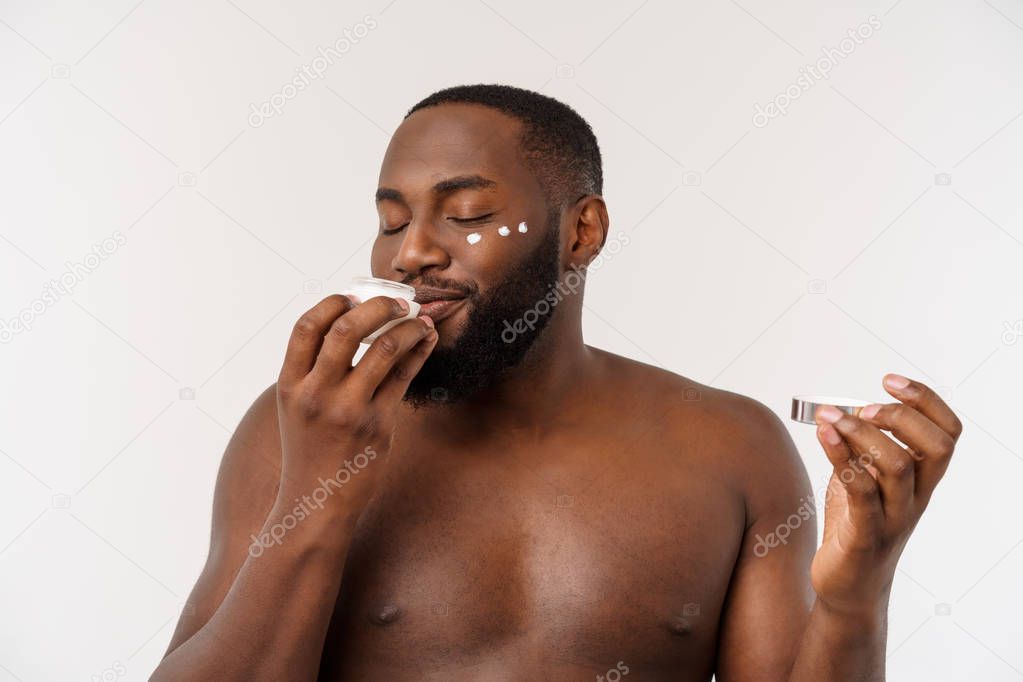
501,240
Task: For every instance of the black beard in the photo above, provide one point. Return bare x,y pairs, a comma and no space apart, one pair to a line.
480,354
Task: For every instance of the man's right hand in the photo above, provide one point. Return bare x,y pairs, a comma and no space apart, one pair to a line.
328,410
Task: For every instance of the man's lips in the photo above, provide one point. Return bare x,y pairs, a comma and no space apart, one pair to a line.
439,309
438,303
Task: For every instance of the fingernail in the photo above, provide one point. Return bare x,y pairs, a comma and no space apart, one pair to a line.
830,435
869,411
896,382
428,320
403,304
829,413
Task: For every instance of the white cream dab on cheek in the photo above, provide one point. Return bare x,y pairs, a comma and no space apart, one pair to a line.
523,228
503,231
473,238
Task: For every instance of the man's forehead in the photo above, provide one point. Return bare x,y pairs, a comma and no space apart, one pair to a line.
453,139
459,123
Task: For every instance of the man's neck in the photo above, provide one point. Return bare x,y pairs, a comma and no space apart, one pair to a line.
532,395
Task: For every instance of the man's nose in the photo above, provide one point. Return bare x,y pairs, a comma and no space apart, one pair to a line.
419,250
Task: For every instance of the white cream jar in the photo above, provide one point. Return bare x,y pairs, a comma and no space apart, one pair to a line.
361,289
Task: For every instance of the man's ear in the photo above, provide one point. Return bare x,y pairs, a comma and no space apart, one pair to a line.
588,234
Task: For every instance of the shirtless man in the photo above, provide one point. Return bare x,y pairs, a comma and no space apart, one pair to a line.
517,505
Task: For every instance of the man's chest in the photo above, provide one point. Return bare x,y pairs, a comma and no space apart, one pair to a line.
522,557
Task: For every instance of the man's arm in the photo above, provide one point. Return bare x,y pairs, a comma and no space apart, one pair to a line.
260,614
246,488
261,609
877,492
769,597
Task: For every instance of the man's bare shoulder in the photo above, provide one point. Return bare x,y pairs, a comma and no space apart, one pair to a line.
743,416
733,432
249,473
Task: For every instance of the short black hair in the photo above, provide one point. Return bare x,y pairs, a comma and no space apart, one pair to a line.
559,145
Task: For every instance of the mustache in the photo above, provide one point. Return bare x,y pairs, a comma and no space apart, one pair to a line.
469,289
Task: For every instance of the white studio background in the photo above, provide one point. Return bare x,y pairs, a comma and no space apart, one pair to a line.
874,226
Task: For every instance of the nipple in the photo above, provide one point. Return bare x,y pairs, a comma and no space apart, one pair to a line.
680,626
386,615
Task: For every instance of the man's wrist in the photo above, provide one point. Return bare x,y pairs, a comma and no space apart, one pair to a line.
321,499
843,643
867,615
318,529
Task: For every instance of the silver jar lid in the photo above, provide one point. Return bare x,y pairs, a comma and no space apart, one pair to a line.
804,407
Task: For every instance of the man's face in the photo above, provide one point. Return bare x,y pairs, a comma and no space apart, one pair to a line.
454,190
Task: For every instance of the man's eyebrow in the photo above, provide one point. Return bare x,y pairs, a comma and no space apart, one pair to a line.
463,182
443,187
388,194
